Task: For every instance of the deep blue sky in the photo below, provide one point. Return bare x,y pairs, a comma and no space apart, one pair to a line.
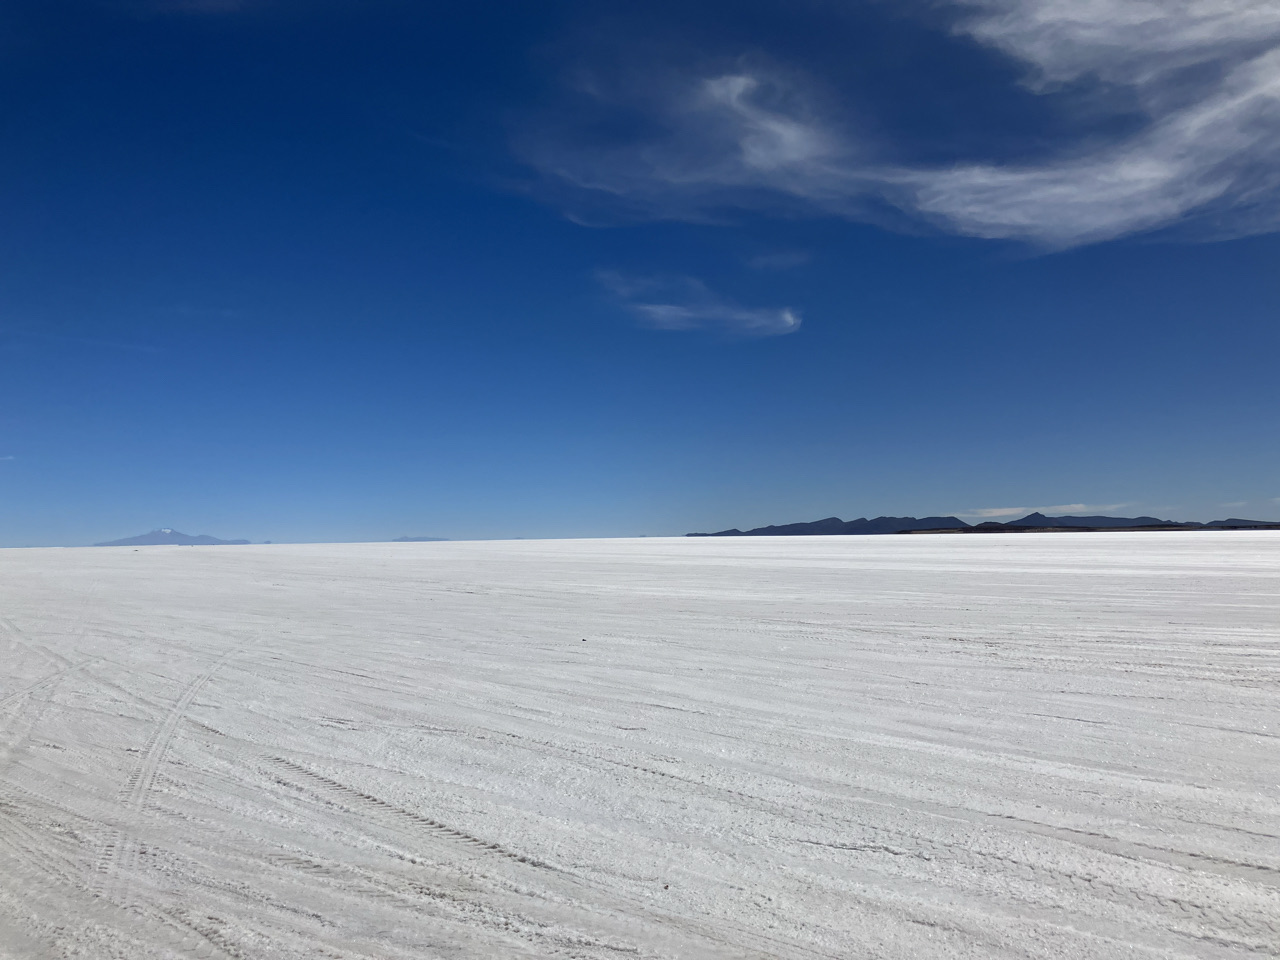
354,270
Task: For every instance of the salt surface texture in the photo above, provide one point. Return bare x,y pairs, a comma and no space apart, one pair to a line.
918,746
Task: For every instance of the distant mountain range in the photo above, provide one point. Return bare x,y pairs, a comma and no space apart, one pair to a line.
1030,523
834,526
167,535
1038,521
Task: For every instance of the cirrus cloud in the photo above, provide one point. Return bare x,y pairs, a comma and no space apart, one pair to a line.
1204,74
685,303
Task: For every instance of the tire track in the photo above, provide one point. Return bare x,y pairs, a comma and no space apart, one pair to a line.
1239,932
45,681
407,817
19,638
119,856
549,936
81,628
1132,849
461,899
1249,932
28,845
573,889
19,727
51,881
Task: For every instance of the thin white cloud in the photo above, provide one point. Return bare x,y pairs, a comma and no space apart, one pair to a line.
684,303
1205,73
1235,503
1059,509
729,140
1137,42
8,458
1211,142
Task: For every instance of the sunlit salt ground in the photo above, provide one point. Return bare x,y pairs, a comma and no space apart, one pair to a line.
915,746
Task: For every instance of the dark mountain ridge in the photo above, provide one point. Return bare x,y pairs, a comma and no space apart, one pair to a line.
1032,522
834,526
1040,520
1035,522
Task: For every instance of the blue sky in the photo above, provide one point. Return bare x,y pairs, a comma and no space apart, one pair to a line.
354,270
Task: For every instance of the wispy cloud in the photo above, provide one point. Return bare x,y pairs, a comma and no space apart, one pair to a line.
685,303
1235,503
1205,74
1058,509
8,458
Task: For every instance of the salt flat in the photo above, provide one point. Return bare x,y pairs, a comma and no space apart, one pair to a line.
1035,745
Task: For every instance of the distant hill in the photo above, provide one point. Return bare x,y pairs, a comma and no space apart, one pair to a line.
834,526
419,539
1038,521
167,535
1096,523
1235,523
